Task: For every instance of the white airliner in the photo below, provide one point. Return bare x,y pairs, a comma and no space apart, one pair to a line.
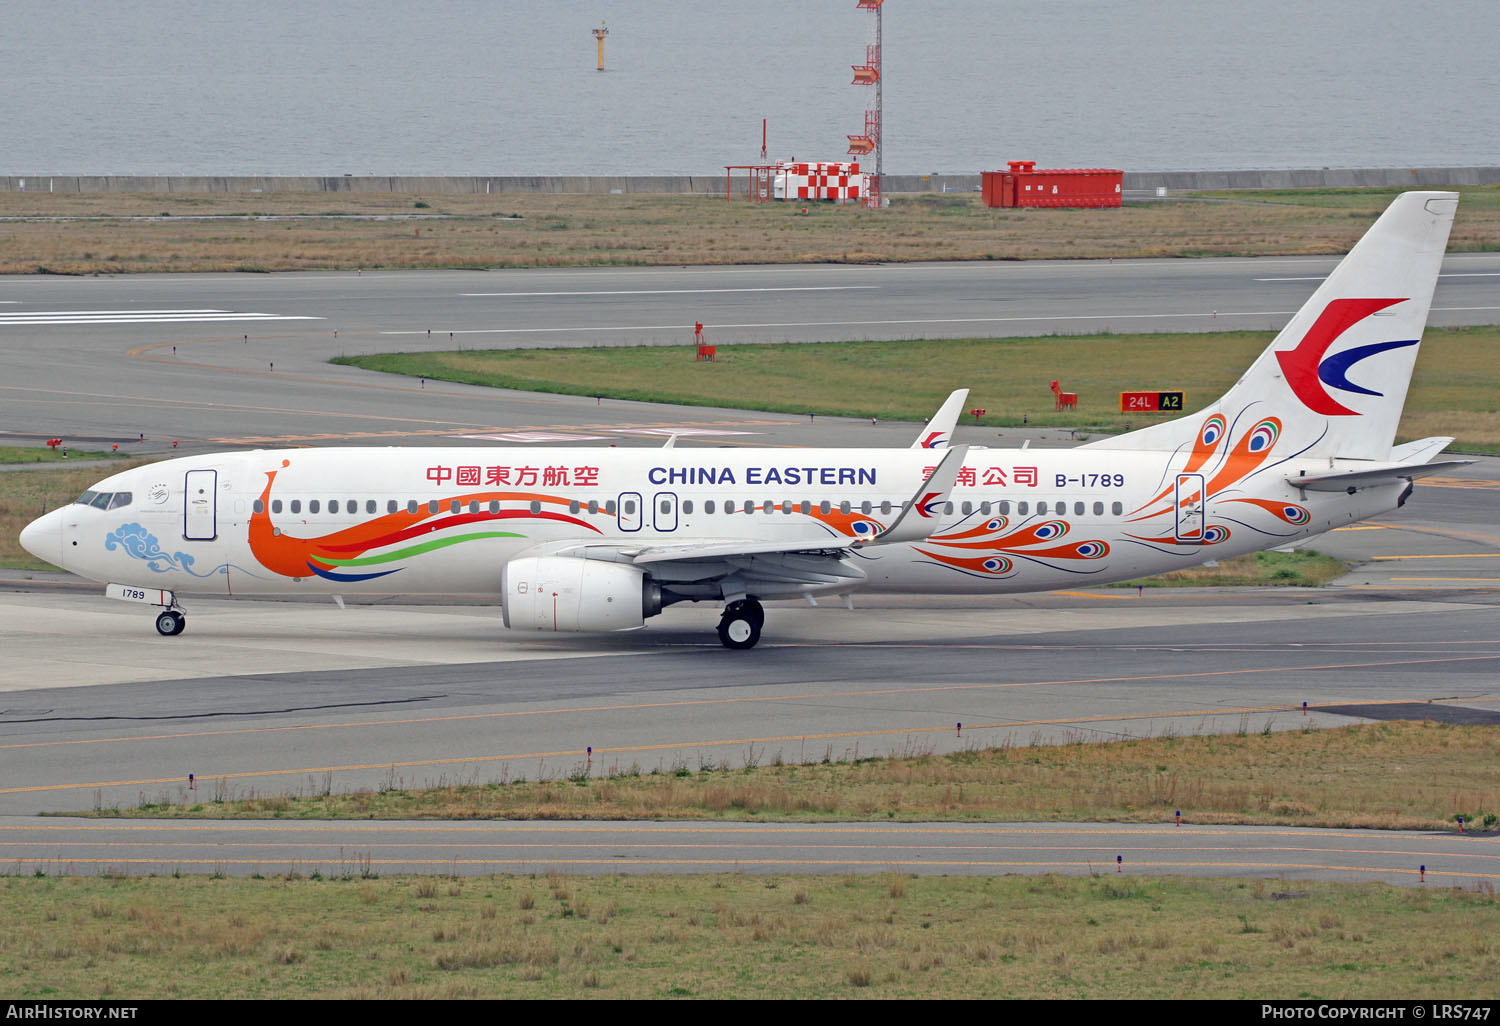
587,539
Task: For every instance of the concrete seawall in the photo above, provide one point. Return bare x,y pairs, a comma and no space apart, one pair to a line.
710,185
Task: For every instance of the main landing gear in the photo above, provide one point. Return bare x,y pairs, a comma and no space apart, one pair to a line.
170,623
740,625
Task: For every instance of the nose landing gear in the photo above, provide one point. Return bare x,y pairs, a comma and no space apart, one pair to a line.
740,625
170,623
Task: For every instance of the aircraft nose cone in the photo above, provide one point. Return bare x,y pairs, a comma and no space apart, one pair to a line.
43,538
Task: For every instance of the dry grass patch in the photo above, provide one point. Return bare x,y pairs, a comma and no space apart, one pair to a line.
1397,775
105,235
27,494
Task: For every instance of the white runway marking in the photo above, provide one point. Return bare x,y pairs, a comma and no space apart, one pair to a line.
1203,315
1465,274
827,324
683,432
533,436
46,318
675,292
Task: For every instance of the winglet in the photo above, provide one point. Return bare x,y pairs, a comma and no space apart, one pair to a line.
919,517
937,433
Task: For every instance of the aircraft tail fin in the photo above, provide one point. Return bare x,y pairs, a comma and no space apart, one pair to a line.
1333,382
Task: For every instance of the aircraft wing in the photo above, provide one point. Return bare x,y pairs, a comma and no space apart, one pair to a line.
914,523
917,518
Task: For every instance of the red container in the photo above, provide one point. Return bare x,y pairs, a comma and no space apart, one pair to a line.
1026,186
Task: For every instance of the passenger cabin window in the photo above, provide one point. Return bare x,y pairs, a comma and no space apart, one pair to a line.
708,506
1117,509
275,505
296,505
687,506
629,507
312,505
411,505
609,507
536,507
390,506
1098,509
258,506
1022,508
433,505
593,505
1078,509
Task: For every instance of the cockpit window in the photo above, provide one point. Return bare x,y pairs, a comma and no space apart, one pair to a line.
103,500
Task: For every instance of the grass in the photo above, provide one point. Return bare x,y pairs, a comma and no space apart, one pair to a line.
514,230
739,936
1300,568
1390,775
26,495
19,454
1455,389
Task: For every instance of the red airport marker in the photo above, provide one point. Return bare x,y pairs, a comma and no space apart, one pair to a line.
1119,863
192,784
1460,824
1179,817
1423,870
959,727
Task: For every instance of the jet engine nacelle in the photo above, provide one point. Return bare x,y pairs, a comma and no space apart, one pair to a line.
563,593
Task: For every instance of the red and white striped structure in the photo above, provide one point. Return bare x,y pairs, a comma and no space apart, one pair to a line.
820,181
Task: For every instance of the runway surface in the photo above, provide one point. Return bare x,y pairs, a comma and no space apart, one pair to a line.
211,361
929,849
97,711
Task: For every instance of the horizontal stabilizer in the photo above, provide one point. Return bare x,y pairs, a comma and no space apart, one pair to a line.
1370,476
1422,450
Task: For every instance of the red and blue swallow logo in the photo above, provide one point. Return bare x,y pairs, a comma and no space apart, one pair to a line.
935,440
1306,369
925,508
